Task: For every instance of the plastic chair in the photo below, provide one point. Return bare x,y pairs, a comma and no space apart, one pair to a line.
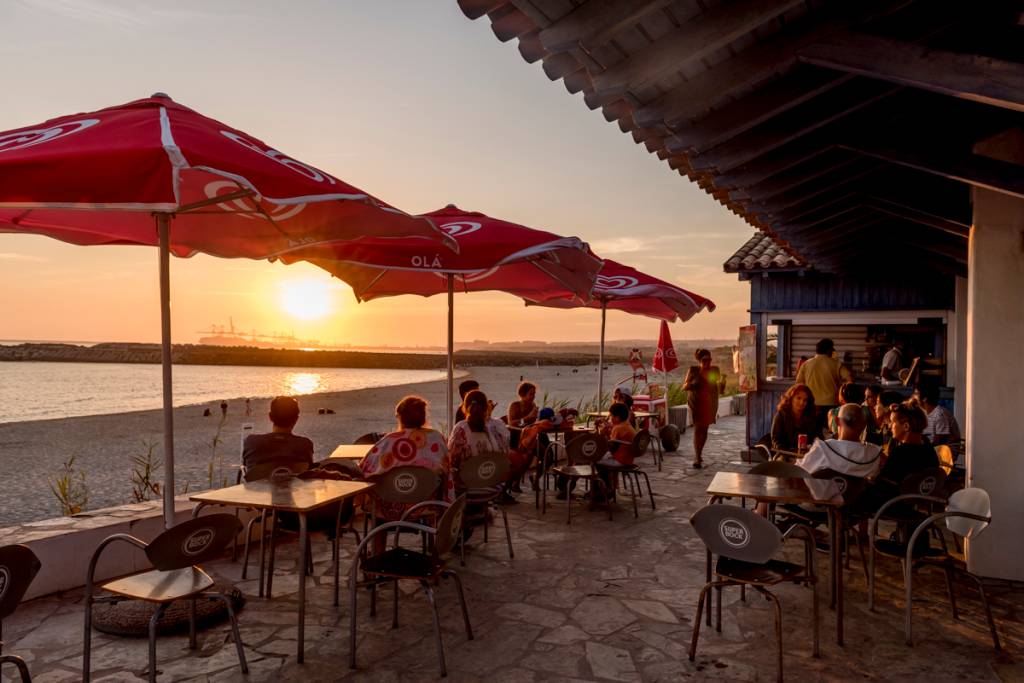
369,439
582,454
745,544
175,555
632,473
483,476
399,564
967,513
18,567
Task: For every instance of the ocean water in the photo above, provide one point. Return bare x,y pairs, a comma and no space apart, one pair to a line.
41,391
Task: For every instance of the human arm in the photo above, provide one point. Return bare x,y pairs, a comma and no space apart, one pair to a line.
781,437
693,379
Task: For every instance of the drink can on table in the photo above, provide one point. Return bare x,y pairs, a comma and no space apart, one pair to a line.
801,442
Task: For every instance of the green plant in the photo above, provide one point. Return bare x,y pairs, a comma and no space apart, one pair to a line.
70,489
144,467
676,395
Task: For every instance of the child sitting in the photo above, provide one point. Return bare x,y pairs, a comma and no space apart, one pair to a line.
620,452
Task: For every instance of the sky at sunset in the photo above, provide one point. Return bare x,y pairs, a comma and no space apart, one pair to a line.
406,99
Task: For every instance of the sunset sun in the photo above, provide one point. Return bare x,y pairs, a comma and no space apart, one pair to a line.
306,299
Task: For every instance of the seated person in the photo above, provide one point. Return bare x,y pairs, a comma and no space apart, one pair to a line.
464,388
625,396
942,427
848,393
795,415
413,444
620,435
908,452
476,435
525,410
279,446
873,433
845,454
886,401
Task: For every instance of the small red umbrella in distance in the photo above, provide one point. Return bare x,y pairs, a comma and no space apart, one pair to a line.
665,359
154,172
494,255
622,288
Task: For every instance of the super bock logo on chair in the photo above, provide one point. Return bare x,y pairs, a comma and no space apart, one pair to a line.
734,532
406,483
198,541
5,578
487,469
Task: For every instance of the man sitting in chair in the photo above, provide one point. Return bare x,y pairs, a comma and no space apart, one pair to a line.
279,446
845,454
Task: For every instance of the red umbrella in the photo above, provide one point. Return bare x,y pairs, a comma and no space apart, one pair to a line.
665,356
494,255
155,172
622,288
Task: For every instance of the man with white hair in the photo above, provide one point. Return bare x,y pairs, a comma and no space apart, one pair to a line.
846,454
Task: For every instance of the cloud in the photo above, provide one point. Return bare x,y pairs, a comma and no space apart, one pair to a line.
619,245
11,256
120,14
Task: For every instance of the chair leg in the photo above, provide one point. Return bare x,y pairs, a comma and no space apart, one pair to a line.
871,567
949,589
263,554
152,639
508,531
815,626
462,601
860,552
437,628
908,581
394,608
697,620
273,548
988,612
308,569
192,624
245,552
718,609
20,664
234,630
778,627
650,493
87,638
353,590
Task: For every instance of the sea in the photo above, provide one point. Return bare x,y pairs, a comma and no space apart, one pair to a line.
43,391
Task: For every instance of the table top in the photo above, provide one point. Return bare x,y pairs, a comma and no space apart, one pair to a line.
639,414
789,454
347,451
775,489
294,495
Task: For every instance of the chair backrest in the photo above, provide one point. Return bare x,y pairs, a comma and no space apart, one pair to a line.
736,533
946,457
368,439
761,453
484,471
18,566
641,442
928,482
973,501
850,487
586,449
783,470
197,540
406,485
267,470
449,527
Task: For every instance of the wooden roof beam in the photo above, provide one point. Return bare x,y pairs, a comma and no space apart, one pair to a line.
799,175
994,82
696,39
931,220
804,194
596,22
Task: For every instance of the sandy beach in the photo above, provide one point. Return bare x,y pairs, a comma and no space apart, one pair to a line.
31,453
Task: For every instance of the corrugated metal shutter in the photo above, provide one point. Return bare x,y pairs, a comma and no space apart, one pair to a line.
852,338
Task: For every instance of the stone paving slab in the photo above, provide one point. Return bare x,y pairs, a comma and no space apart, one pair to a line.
594,601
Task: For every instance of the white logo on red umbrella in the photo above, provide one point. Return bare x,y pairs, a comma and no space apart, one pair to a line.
615,282
244,207
460,228
30,138
280,158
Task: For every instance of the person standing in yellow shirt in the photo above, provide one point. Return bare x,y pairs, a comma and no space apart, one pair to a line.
823,374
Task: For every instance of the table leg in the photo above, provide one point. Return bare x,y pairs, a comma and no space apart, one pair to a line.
840,535
303,544
263,550
195,510
337,550
832,558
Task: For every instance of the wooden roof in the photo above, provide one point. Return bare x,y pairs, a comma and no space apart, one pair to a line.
843,129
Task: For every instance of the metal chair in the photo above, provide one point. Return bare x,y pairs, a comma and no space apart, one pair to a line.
968,512
745,544
369,439
18,567
632,473
483,476
175,555
399,564
582,454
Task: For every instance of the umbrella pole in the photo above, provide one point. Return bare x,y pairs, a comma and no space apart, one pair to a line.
451,348
163,223
600,360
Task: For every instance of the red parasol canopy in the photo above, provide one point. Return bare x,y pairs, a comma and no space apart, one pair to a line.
96,178
493,255
665,357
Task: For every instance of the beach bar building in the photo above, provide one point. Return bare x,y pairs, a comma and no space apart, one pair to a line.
869,138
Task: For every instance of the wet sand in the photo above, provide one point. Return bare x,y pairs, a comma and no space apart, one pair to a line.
31,453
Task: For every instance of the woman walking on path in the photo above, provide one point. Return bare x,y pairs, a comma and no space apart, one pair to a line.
703,382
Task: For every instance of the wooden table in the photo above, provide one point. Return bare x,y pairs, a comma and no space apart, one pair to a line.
294,495
349,452
762,488
638,414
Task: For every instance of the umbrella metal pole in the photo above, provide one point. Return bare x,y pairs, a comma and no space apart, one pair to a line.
600,360
163,222
451,349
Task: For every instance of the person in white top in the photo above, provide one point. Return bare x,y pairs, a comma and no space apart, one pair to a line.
846,454
942,426
891,363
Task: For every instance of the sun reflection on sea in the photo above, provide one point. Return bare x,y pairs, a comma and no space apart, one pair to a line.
299,383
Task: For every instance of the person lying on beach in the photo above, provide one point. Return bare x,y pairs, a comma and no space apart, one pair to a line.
279,445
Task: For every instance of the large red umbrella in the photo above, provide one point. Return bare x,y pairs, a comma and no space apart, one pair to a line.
494,255
154,172
622,288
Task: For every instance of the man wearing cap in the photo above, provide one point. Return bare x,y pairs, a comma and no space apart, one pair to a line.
279,445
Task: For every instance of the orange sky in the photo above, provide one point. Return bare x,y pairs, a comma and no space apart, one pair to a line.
407,100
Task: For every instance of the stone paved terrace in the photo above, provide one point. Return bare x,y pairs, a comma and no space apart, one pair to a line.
596,601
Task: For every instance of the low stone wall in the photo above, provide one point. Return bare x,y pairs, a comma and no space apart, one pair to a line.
66,544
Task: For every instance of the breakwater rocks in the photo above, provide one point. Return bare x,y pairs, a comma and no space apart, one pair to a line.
195,354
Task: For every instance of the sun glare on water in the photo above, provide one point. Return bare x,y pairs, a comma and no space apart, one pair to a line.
306,299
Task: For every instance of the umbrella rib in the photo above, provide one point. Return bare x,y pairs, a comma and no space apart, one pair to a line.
240,194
